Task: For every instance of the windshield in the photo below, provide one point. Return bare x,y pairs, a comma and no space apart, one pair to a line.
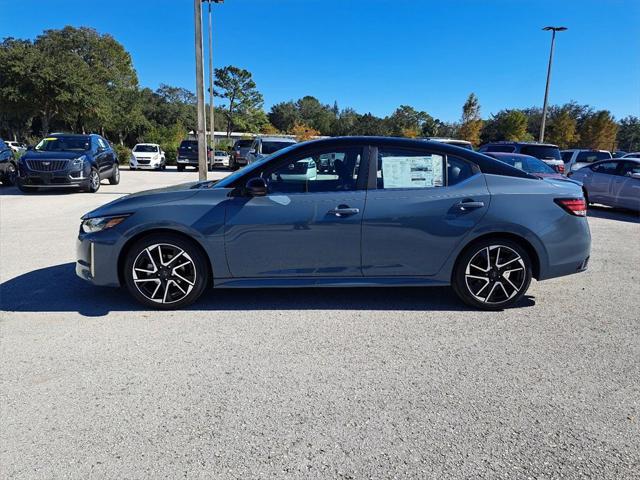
74,143
189,144
220,153
528,164
145,148
541,151
243,144
271,147
231,179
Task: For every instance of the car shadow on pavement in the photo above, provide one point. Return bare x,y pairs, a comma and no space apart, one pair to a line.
58,289
609,213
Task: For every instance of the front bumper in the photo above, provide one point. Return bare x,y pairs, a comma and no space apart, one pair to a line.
145,164
95,261
64,178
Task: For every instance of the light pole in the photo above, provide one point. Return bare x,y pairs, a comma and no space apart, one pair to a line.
201,133
211,79
546,90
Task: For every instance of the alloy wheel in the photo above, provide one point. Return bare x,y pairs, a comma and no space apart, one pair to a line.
95,180
495,274
164,273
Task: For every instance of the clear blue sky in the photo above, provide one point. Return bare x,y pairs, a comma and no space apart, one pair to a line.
374,55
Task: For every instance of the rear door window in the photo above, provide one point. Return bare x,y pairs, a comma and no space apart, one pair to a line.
607,168
589,157
405,168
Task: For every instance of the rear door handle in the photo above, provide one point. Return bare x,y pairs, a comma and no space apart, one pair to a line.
343,211
469,205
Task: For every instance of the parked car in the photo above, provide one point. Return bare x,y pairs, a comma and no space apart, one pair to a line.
632,155
263,146
68,160
577,158
618,154
239,152
147,156
188,155
221,159
397,212
451,141
614,182
547,152
527,163
7,164
16,146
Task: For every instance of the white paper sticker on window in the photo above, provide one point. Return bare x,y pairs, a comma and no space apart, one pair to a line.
412,172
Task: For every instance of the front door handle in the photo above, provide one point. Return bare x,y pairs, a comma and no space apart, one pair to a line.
343,211
469,205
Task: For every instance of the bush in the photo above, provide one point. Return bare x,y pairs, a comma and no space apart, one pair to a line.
123,153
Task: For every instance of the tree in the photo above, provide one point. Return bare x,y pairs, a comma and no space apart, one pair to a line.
629,134
599,131
243,100
345,122
507,125
304,132
316,115
562,129
471,124
283,116
369,124
407,121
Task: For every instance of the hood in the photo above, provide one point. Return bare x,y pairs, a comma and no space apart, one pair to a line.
35,154
135,201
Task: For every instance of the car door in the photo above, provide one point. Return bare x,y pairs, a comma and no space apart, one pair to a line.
625,187
422,206
308,225
599,182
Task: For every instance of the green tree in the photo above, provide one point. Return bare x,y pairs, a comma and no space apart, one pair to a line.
407,121
284,116
509,125
316,115
562,129
599,131
629,134
471,123
243,100
369,124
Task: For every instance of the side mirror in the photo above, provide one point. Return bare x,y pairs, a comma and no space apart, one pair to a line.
256,187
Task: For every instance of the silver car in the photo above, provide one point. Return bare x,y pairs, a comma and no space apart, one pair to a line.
613,182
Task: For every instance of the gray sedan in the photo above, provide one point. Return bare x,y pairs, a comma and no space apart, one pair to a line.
615,183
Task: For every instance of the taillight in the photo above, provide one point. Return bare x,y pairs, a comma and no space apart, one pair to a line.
574,206
560,168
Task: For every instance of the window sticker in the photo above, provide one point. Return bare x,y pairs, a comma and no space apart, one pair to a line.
412,172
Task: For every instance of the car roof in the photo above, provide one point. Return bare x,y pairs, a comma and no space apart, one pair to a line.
584,150
150,144
508,142
509,154
277,139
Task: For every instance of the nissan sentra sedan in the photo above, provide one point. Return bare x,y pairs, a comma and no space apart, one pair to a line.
393,212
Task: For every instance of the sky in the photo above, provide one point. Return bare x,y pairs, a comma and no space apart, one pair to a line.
375,55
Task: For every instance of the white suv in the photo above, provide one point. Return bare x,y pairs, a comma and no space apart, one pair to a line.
577,158
147,156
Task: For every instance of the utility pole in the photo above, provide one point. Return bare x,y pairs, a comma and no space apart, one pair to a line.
546,90
201,133
211,99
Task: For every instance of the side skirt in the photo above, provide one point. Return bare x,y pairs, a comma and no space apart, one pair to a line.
305,282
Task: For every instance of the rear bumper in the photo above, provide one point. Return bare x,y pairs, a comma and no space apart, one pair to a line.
568,250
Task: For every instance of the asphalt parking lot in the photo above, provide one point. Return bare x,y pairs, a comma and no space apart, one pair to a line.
344,383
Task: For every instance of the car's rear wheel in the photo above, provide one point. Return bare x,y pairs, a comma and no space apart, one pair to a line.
181,168
114,179
492,274
165,271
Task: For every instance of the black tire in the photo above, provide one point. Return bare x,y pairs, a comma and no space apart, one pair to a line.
10,174
132,169
114,179
586,197
505,281
93,183
180,168
232,164
175,289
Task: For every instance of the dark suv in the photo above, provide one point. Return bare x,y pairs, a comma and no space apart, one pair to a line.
7,164
68,160
188,155
547,152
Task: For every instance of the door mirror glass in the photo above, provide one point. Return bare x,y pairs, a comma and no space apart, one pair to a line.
256,187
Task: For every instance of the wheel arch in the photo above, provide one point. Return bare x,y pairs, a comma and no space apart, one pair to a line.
131,241
520,240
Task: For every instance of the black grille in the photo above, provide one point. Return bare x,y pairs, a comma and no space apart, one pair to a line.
47,165
144,161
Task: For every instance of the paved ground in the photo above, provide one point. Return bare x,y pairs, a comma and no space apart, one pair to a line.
402,383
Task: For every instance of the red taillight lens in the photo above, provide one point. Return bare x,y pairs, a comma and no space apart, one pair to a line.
560,168
574,206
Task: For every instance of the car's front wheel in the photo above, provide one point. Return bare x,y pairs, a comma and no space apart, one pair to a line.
93,182
492,274
165,271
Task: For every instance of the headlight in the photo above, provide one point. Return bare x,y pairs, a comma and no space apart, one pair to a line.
78,162
97,224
